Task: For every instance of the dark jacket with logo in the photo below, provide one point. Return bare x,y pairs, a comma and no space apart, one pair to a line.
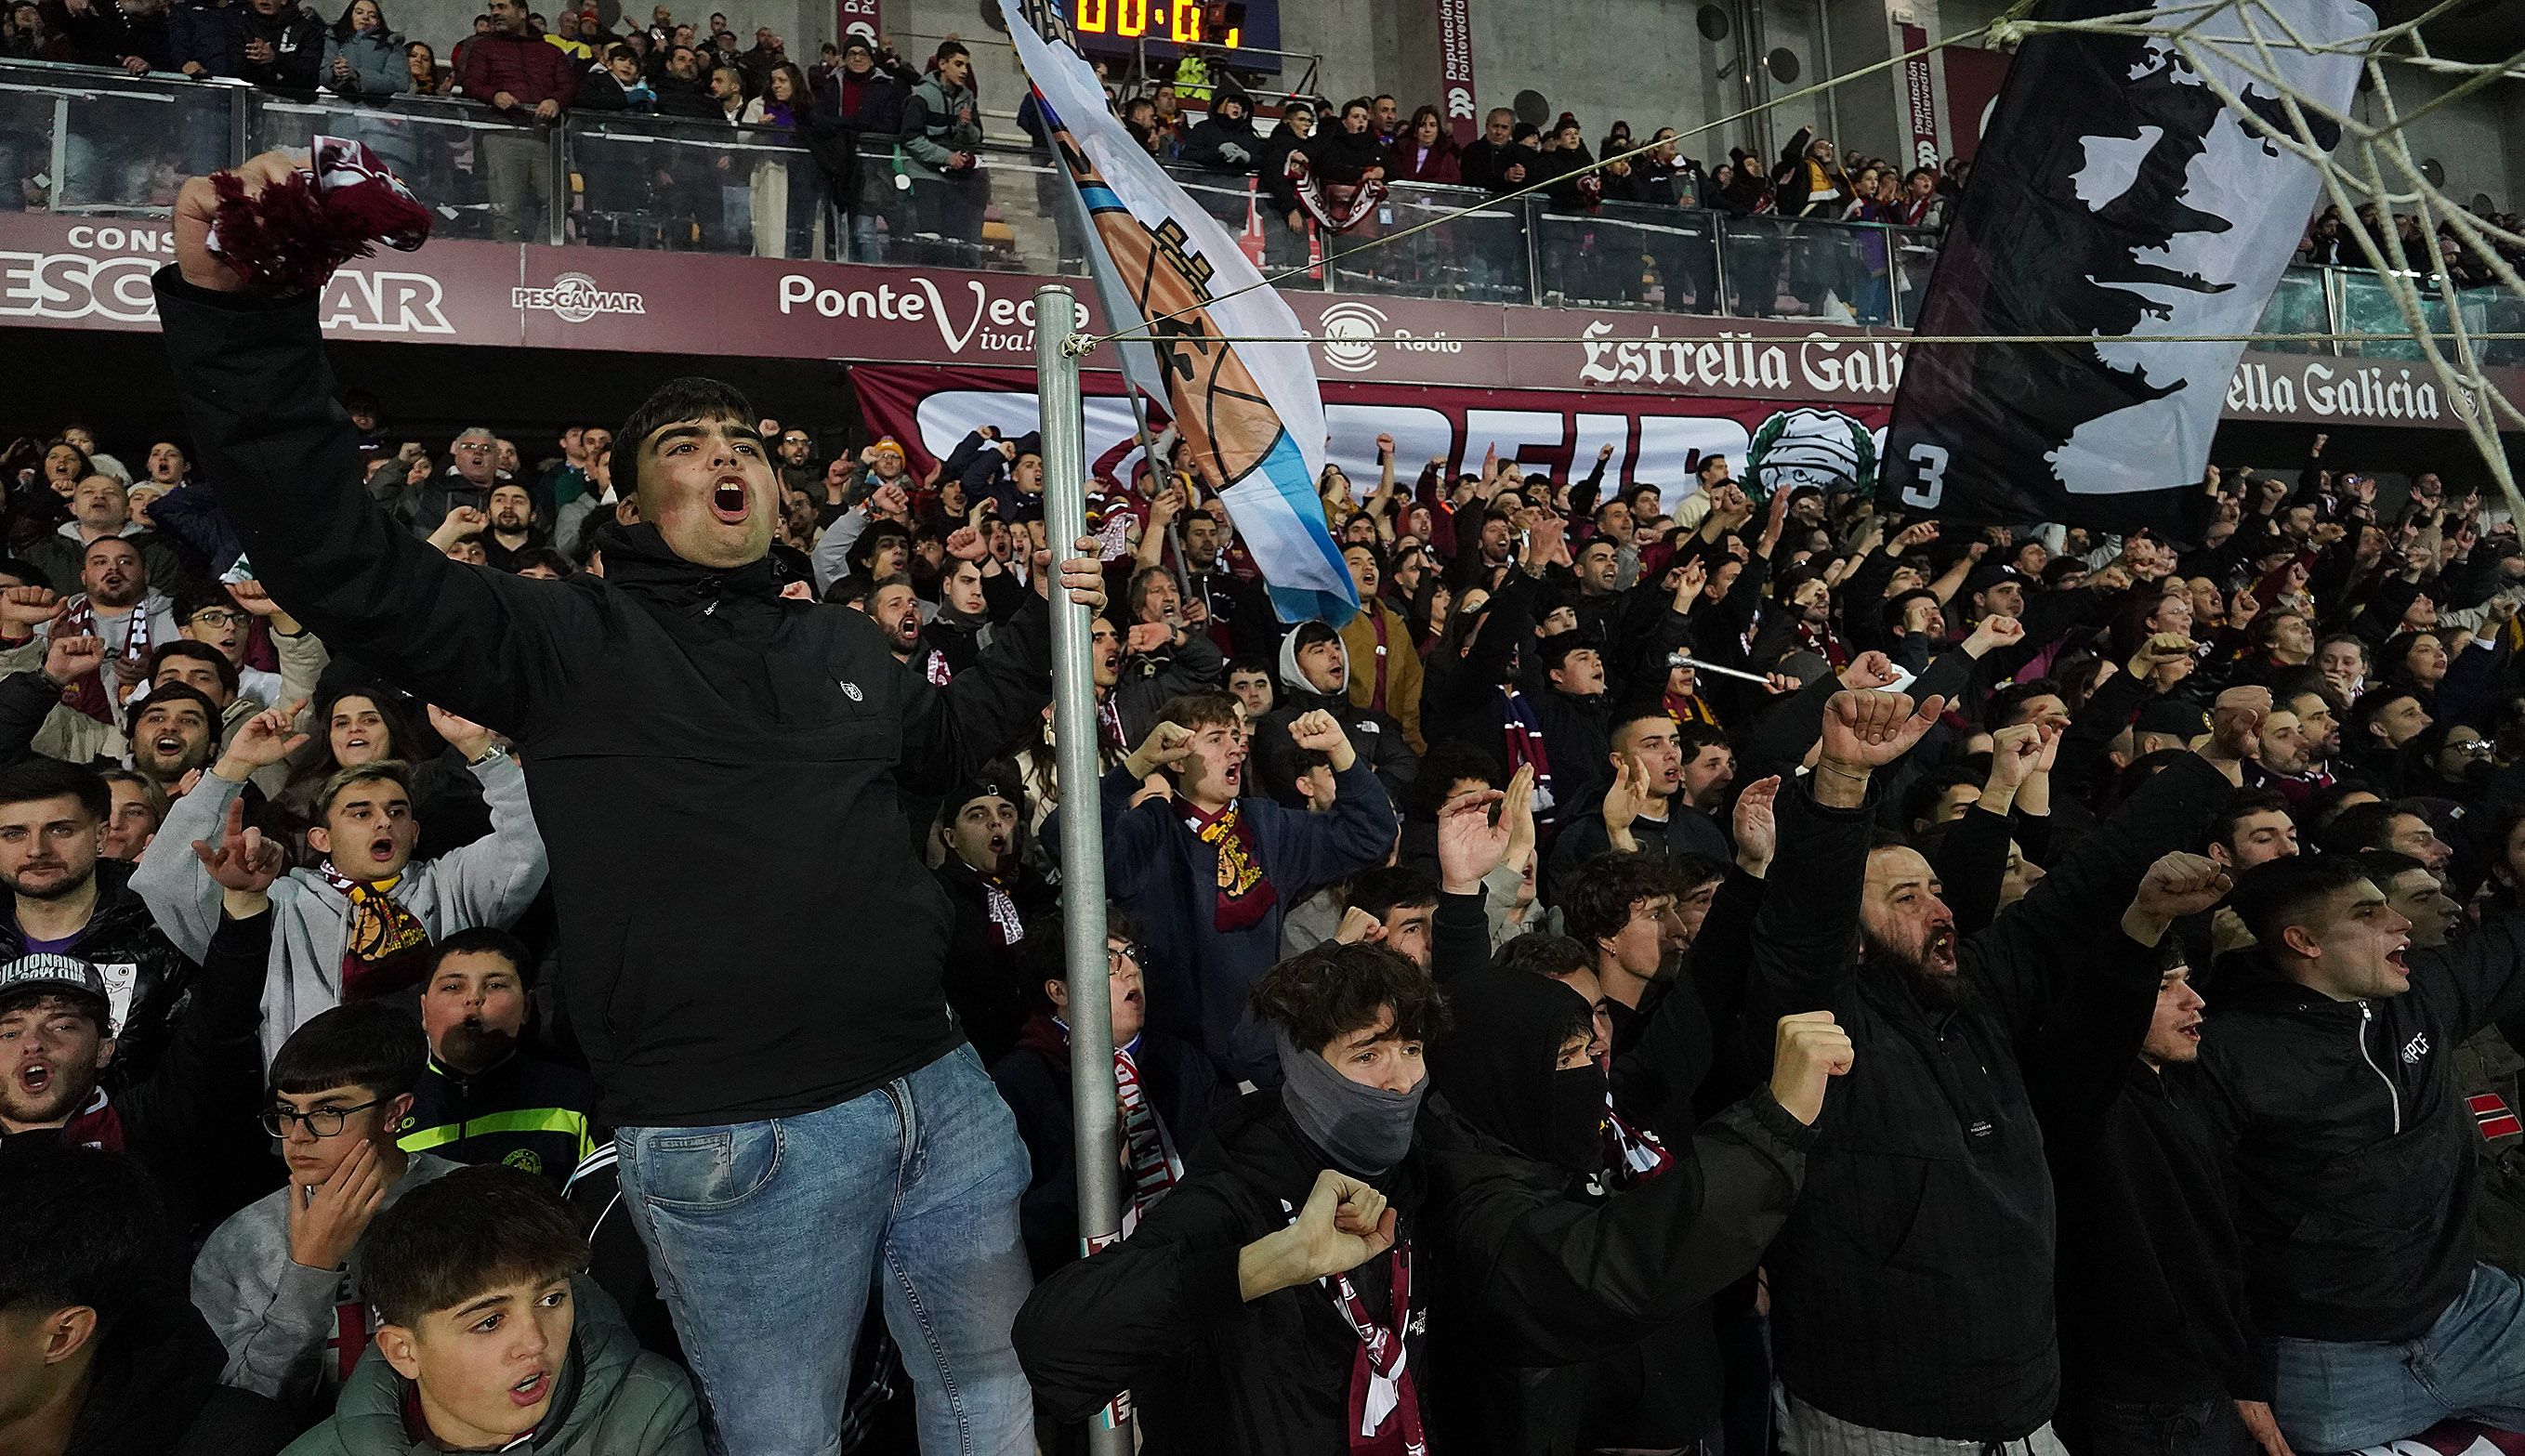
692,740
149,980
1378,736
2353,1155
527,1112
106,32
1494,1245
1911,1291
215,35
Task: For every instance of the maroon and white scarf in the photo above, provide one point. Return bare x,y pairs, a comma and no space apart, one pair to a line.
1008,928
1155,1169
1632,1156
88,694
296,232
1336,207
1384,1405
1525,746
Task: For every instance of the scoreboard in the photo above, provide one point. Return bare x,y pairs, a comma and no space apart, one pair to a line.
1119,27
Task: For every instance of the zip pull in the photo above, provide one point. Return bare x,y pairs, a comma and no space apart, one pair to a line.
2367,1014
712,609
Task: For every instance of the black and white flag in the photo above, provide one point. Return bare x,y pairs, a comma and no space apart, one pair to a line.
2115,197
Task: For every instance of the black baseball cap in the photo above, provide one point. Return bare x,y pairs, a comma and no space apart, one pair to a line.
46,973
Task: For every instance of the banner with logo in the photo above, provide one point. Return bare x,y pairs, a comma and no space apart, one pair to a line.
1919,99
1658,441
1456,69
1241,391
2124,205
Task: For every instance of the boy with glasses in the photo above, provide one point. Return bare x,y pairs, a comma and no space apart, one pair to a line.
280,1280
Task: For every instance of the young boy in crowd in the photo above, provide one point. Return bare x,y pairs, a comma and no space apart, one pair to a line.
485,1098
281,1282
489,1340
361,923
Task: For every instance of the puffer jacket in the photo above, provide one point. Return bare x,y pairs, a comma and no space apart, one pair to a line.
2354,1149
377,66
612,1398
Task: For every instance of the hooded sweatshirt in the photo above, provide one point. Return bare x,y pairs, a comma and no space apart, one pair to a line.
291,1332
1379,738
612,1398
489,882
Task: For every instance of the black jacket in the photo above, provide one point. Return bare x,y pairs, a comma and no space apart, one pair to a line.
106,32
1493,1244
1378,738
1034,1080
190,1122
1486,165
529,1112
2354,1149
149,979
715,770
1203,146
2152,1278
155,1390
1911,1291
986,980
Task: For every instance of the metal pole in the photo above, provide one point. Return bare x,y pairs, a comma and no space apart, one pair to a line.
1093,1099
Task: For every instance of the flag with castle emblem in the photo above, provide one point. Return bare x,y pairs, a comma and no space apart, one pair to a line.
1250,412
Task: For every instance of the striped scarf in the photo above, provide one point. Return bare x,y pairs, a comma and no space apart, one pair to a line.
88,695
1245,892
385,947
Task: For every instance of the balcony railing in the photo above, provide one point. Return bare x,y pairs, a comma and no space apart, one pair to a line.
75,139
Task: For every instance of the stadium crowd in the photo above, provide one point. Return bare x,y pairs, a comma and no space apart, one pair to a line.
523,947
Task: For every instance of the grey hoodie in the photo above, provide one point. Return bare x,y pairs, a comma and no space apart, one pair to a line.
613,1398
283,1322
489,882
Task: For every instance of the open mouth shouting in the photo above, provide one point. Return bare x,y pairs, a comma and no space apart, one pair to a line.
729,500
381,849
1941,950
167,746
533,1391
35,1079
2190,1031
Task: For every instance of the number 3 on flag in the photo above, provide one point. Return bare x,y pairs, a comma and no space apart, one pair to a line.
1926,492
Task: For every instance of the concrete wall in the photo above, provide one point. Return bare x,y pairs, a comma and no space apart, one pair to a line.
2479,139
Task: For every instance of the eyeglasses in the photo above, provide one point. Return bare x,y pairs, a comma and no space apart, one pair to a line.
1117,953
324,1122
219,616
2470,746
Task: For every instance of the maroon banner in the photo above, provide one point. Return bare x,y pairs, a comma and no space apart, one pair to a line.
1655,441
868,16
1973,79
78,272
1455,67
1920,99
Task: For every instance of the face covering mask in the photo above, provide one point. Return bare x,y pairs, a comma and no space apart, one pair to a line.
1364,1130
1577,1120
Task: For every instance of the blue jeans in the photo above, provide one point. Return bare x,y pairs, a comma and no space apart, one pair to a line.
2341,1395
765,1237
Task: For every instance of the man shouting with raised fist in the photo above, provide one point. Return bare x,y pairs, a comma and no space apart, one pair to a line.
754,951
1911,1289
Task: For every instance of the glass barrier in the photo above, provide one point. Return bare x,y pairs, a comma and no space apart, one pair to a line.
1786,267
76,140
482,177
1916,257
1479,255
693,185
2298,307
1630,256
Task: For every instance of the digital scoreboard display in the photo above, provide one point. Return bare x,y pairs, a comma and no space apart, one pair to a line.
1120,27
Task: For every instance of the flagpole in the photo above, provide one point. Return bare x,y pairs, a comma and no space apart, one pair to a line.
1095,1105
